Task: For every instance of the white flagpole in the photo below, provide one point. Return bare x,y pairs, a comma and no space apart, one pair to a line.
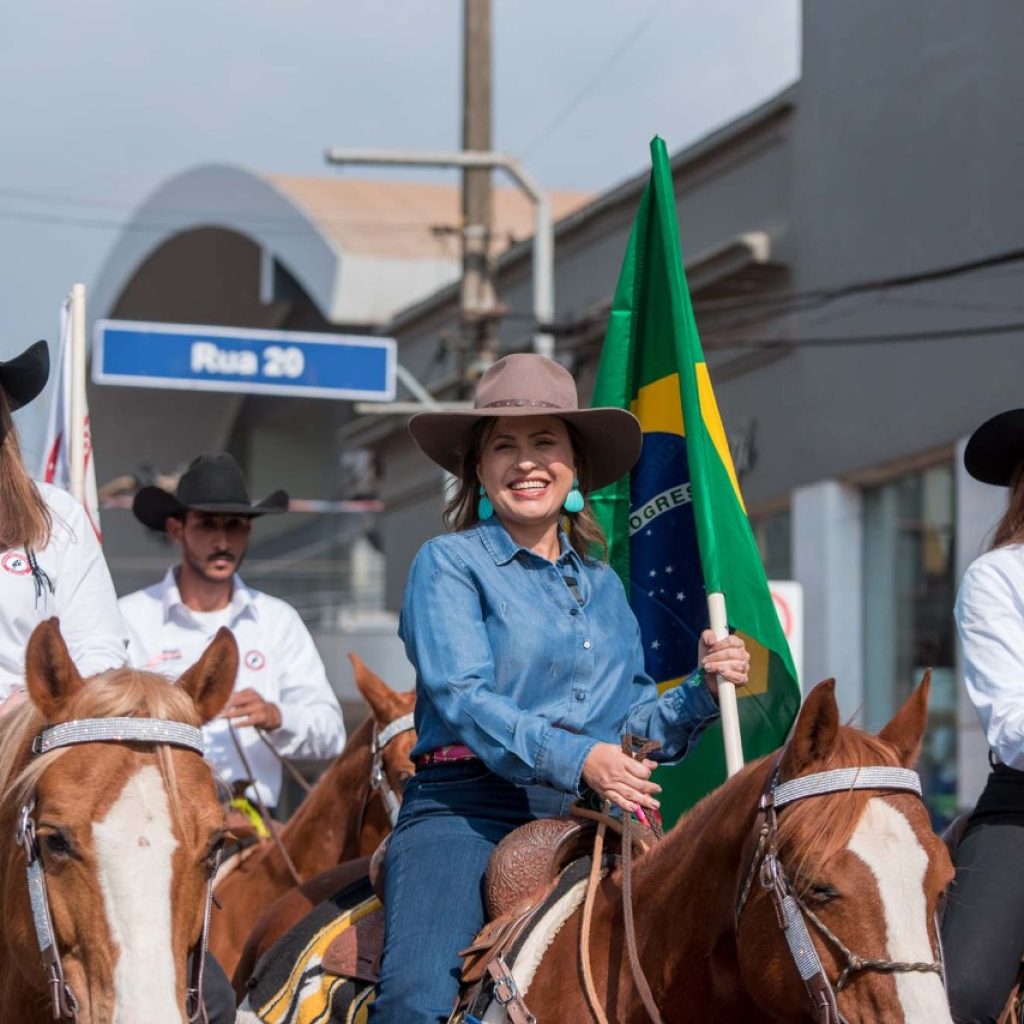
726,692
76,427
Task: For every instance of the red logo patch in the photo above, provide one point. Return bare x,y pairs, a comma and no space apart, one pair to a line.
16,563
254,660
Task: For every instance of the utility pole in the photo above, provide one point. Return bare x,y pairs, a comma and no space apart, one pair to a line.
479,333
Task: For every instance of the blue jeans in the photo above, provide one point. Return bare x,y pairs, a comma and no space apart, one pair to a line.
453,815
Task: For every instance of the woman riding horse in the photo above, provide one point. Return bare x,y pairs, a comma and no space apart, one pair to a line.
50,559
528,661
983,929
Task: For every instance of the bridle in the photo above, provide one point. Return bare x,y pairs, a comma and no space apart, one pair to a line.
791,911
102,730
378,776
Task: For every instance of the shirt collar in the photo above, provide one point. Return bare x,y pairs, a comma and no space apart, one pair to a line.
243,600
502,548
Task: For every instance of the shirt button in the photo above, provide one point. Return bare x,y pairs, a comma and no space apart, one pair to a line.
580,695
574,611
586,645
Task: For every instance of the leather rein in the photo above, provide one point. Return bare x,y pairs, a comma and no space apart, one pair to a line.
791,911
101,730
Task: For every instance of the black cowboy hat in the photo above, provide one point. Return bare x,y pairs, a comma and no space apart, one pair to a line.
24,376
212,483
996,449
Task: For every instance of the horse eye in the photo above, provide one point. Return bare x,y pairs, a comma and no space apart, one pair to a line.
57,844
213,850
821,893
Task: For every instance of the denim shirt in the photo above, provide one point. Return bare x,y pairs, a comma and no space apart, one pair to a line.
510,664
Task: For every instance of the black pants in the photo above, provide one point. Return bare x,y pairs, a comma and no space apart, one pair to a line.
983,927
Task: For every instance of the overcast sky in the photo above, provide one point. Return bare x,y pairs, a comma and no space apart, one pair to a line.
104,100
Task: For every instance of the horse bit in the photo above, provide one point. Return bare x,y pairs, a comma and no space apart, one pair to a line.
378,776
790,910
102,730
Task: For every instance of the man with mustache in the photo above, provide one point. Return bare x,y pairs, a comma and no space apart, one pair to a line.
282,697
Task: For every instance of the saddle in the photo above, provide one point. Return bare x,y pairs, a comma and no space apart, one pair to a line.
523,869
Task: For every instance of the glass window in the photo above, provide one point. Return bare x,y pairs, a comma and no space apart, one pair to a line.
908,617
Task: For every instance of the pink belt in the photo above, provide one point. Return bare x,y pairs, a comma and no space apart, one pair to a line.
445,755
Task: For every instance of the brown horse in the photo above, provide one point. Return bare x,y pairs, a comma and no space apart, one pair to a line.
864,863
288,910
345,816
126,834
859,870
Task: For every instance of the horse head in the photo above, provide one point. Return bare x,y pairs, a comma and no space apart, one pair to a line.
864,870
126,834
394,734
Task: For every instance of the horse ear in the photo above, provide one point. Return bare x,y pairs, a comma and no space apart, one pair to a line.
376,693
50,674
815,731
211,679
907,727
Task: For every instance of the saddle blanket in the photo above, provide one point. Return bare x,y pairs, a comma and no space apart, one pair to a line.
290,985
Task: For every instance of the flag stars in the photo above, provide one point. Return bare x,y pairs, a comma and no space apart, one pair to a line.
680,596
669,569
655,645
653,573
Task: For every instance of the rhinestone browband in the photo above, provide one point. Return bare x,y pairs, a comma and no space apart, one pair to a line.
838,779
119,730
393,729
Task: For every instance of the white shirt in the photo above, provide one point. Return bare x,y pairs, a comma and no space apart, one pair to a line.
990,620
82,597
277,659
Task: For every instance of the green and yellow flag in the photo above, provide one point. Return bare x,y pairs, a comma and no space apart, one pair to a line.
676,524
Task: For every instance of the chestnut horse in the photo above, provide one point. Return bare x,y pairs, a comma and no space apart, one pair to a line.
847,861
122,836
865,869
343,817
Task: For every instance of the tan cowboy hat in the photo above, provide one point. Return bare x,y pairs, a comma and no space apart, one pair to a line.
531,385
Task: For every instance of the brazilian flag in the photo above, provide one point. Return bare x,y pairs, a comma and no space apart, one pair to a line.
676,524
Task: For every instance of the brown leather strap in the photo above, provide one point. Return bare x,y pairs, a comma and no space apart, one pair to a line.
506,992
589,989
275,838
635,967
285,763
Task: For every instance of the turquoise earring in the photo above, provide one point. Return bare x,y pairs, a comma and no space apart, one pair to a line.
574,499
484,508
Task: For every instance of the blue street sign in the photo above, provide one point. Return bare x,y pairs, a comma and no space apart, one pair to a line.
243,360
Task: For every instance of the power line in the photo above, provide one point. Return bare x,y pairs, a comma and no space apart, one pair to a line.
982,330
585,90
776,303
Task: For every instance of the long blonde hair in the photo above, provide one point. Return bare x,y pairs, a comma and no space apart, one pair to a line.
25,520
582,528
1011,527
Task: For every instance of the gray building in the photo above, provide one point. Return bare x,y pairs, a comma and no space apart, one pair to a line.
854,251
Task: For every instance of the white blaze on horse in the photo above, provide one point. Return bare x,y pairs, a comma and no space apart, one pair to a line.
119,828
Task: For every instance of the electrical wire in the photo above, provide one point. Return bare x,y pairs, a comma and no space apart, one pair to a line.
586,89
978,331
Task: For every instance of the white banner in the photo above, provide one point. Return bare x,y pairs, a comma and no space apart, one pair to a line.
56,467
